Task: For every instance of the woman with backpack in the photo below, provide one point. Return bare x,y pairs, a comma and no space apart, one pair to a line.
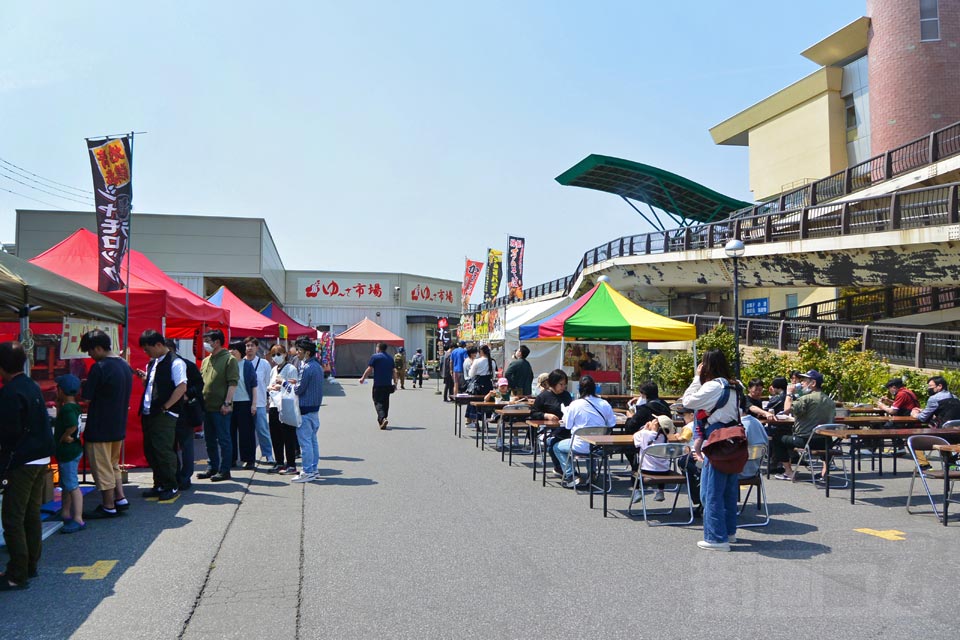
714,394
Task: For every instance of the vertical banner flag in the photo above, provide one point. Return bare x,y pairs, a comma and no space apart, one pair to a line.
111,162
494,274
470,276
515,268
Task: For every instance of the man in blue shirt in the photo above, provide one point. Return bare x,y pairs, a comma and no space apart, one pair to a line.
456,359
380,367
310,392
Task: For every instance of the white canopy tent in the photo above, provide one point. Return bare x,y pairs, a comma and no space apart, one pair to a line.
544,355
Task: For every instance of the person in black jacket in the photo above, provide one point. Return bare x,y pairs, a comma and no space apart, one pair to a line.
26,443
549,406
165,384
645,408
191,417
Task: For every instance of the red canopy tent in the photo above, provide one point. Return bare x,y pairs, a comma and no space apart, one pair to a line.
244,320
157,301
358,343
294,328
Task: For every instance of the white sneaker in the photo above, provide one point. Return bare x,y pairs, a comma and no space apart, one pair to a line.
714,546
658,496
303,476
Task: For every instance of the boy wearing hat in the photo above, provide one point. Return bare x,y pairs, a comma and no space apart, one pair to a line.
66,435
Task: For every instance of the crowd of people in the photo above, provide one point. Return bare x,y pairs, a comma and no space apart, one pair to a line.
242,401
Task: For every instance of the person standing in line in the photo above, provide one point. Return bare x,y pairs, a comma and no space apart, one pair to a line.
26,443
191,417
107,390
261,369
221,374
242,429
165,384
446,370
418,363
519,373
284,436
380,367
310,392
400,368
66,435
714,391
456,359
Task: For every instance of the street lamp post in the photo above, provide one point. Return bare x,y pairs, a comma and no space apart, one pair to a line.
735,249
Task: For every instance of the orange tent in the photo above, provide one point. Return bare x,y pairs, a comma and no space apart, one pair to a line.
358,343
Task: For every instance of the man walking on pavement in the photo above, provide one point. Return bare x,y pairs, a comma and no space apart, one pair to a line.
400,367
380,367
417,362
107,389
165,383
221,374
310,393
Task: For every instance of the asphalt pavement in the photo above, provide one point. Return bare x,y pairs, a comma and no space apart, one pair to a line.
415,533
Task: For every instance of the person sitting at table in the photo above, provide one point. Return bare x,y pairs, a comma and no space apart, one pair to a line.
904,400
657,430
645,407
809,412
500,394
778,394
589,410
754,400
548,406
941,408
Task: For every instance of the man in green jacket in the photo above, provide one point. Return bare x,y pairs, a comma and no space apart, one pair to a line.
221,374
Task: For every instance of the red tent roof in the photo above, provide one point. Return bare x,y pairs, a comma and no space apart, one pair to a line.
368,331
244,320
294,328
151,290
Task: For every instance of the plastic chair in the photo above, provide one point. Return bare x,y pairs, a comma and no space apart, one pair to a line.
576,457
755,453
670,451
813,456
925,443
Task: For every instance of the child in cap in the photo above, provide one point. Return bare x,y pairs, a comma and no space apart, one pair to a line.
66,434
500,394
656,431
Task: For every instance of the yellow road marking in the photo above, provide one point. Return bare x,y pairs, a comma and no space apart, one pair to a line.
97,571
887,534
156,499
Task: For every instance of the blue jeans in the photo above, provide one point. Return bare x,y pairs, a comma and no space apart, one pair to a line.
68,474
263,433
307,435
719,494
561,452
216,433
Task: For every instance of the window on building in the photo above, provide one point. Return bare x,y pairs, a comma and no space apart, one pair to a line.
851,112
929,20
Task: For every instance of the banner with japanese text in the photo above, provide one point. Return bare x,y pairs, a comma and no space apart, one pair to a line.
75,328
111,162
465,329
470,276
494,273
481,326
515,268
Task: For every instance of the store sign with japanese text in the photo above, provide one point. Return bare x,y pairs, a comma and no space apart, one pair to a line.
75,328
344,288
429,292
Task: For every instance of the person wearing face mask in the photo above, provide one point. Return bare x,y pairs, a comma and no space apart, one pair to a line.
283,436
810,411
221,374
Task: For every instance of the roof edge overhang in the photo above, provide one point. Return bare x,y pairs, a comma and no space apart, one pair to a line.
734,130
842,45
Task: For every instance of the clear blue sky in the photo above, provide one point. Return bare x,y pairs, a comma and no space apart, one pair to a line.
386,136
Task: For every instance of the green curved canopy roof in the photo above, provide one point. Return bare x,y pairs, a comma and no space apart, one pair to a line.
659,188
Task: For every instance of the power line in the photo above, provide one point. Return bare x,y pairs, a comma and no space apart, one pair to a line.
49,193
19,174
49,204
83,191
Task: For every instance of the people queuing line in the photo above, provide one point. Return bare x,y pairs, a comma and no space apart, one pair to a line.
239,399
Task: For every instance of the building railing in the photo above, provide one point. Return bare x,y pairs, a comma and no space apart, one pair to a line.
545,289
908,346
871,306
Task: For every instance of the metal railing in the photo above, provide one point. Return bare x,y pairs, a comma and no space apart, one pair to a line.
908,346
554,286
874,305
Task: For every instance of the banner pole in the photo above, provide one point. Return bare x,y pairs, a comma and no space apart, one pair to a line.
126,304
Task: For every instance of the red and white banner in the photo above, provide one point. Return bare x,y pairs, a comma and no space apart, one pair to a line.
470,277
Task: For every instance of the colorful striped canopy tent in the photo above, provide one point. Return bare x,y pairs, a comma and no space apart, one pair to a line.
604,314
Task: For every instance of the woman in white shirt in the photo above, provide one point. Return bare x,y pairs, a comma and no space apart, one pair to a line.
482,369
719,492
589,410
283,436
